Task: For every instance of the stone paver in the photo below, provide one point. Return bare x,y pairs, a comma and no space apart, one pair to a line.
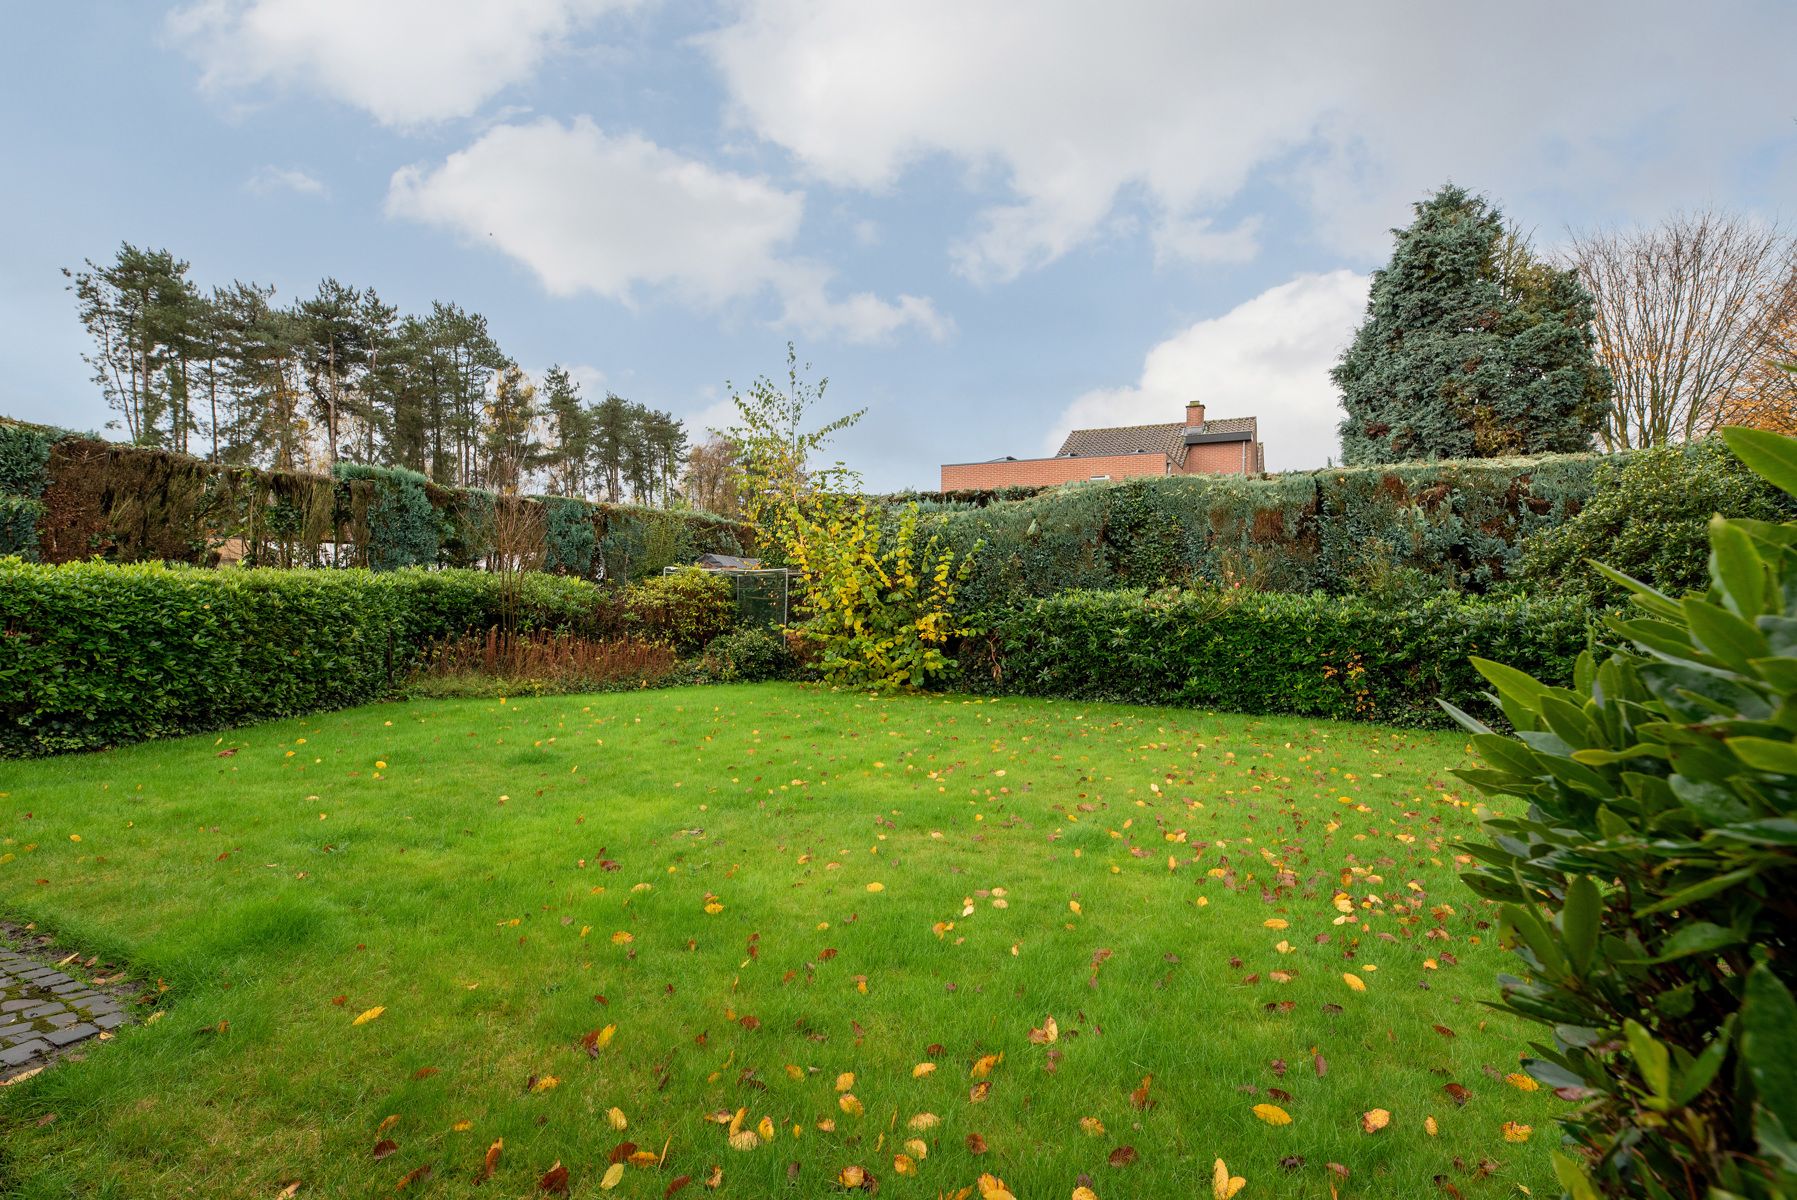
23,1053
46,1013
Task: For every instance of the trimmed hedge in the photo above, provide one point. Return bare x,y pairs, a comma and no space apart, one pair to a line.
138,504
1341,658
95,654
24,471
1452,526
569,538
404,529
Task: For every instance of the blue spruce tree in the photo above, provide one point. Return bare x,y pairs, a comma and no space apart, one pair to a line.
1471,348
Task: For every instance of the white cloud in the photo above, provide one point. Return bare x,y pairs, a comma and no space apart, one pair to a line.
1197,239
405,62
718,414
285,179
1268,357
613,215
1064,106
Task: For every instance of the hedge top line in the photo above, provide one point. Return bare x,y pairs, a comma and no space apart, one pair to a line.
84,495
58,435
1514,465
965,497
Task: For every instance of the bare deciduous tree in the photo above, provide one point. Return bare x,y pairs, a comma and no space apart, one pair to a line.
711,470
1685,311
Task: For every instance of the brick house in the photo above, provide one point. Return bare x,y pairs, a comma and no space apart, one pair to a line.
1195,446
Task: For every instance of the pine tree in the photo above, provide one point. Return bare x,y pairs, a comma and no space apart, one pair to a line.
613,425
1471,347
138,309
571,432
333,353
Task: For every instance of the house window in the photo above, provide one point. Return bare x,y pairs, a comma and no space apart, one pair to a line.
1100,478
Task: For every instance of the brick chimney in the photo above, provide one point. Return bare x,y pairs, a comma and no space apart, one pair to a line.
1194,415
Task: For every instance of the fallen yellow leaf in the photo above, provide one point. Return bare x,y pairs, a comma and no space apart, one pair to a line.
370,1015
1223,1185
1374,1120
1272,1114
1354,981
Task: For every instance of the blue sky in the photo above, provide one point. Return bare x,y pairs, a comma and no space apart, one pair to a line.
986,222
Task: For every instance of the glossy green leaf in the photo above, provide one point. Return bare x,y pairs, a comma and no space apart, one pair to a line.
1736,567
1764,754
1579,919
1699,937
1722,633
1651,1057
1771,456
1573,1178
1536,936
1769,1042
1512,684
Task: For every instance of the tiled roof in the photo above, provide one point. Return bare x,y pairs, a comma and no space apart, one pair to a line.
1127,439
1147,439
1229,425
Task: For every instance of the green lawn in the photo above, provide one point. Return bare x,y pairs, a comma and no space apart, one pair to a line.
760,890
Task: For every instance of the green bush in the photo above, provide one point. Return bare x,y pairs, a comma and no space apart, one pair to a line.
1648,888
25,459
568,536
19,516
749,655
96,654
24,472
1649,520
402,527
1450,526
1241,651
685,609
640,545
